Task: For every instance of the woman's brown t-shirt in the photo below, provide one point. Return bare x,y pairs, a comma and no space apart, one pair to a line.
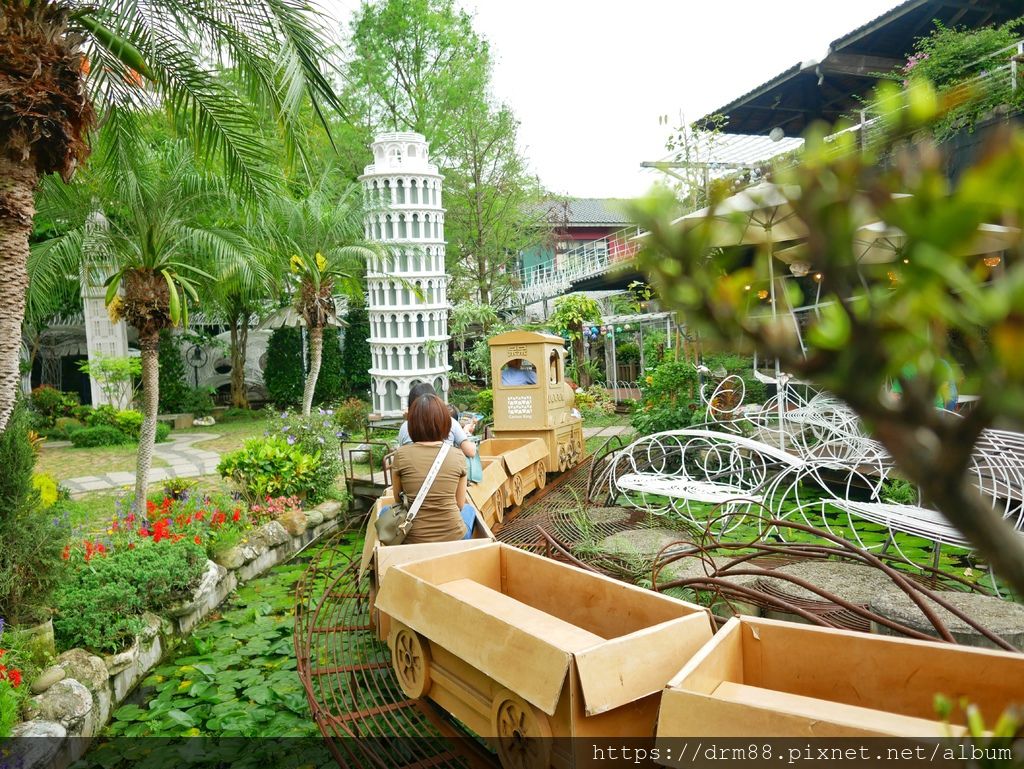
439,519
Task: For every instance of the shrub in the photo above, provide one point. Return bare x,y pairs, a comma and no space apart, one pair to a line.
163,430
46,486
236,414
329,384
283,374
68,425
102,435
355,363
627,352
351,415
50,404
11,690
484,403
270,467
174,387
594,401
17,459
129,422
101,602
670,399
315,434
102,415
196,402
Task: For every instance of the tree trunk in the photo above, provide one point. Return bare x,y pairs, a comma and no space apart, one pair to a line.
17,207
239,341
147,436
316,346
577,351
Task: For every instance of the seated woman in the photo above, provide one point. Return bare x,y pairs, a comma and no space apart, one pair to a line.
457,436
445,514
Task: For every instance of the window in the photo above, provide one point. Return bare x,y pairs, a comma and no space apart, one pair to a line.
518,372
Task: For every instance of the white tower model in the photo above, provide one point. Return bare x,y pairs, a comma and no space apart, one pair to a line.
407,285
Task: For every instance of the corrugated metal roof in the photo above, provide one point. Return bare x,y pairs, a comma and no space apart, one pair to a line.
582,212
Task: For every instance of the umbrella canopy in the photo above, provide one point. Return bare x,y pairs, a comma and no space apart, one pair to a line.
759,214
878,243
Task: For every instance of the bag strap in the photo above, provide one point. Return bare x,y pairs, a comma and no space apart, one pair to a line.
428,482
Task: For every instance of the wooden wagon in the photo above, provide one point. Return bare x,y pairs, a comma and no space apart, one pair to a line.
525,463
541,409
766,678
518,646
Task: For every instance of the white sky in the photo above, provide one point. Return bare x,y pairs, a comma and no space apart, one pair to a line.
588,79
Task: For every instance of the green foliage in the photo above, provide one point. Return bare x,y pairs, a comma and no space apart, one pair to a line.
237,415
329,385
50,404
101,601
627,352
17,460
197,402
594,402
174,387
283,375
485,403
234,676
354,374
669,399
115,375
102,435
741,366
571,312
46,486
316,435
270,467
899,492
351,415
9,707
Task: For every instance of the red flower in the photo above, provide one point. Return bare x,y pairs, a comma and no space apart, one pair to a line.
197,540
150,506
131,545
130,518
236,515
101,548
65,555
14,676
143,532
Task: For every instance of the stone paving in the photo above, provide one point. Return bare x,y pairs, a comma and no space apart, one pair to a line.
606,432
183,460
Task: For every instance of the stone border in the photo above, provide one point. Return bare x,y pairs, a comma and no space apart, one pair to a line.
76,696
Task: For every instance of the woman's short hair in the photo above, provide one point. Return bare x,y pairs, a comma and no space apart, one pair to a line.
429,419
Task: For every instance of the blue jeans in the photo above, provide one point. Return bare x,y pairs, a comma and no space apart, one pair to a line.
469,518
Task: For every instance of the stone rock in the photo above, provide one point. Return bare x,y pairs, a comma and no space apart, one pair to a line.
48,678
91,671
231,558
856,583
204,421
694,566
1004,618
40,643
207,586
149,651
329,509
117,662
45,741
314,518
68,703
86,668
273,534
646,543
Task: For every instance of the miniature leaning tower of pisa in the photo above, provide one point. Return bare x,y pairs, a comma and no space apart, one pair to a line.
407,283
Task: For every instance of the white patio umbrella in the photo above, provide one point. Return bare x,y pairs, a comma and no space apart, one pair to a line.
758,215
879,243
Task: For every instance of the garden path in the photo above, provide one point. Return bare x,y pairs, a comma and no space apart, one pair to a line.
606,432
184,460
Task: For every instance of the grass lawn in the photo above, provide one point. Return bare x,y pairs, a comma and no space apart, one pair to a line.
231,434
69,462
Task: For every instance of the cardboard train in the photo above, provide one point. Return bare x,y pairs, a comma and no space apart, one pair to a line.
515,646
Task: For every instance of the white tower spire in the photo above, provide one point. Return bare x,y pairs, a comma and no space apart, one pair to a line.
408,285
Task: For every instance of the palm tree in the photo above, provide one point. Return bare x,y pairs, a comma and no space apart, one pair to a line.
154,241
64,61
319,238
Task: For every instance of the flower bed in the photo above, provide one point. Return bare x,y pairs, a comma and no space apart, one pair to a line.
75,696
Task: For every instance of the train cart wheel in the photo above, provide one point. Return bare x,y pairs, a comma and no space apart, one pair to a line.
410,657
499,504
522,732
542,475
516,488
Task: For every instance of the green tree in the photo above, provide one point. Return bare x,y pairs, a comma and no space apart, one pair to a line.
283,375
878,321
413,65
356,359
64,61
174,388
329,385
145,219
491,204
318,237
570,313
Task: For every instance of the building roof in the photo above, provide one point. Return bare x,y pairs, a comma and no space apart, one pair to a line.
587,212
831,88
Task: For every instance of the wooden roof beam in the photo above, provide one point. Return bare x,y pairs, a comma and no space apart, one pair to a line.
857,65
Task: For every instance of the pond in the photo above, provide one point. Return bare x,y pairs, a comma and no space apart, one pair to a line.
232,680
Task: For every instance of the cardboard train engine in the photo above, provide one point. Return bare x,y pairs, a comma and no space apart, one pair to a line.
514,645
